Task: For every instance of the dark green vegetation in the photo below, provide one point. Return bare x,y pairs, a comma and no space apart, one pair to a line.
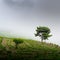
27,50
43,32
17,42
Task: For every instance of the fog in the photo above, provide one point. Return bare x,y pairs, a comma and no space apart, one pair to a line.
23,16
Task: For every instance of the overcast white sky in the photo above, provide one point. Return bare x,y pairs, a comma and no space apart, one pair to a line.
23,16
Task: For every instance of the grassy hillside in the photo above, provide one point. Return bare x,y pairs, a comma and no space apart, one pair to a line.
28,50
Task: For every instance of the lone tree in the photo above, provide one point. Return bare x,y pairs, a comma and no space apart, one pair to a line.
43,32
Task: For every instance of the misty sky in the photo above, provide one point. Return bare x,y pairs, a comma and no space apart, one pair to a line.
23,16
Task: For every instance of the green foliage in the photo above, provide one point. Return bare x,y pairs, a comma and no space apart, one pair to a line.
41,29
43,32
0,40
46,36
18,41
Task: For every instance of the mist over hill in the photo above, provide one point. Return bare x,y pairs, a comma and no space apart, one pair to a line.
23,16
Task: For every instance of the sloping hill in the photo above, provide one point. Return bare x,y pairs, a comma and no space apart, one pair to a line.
28,50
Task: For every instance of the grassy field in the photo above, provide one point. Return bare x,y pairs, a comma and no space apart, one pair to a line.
28,50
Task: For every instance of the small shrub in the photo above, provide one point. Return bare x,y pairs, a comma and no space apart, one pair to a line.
1,40
18,41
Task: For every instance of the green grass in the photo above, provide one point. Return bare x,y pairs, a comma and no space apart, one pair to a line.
28,50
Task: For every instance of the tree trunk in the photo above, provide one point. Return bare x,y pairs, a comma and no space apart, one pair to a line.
16,46
41,38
